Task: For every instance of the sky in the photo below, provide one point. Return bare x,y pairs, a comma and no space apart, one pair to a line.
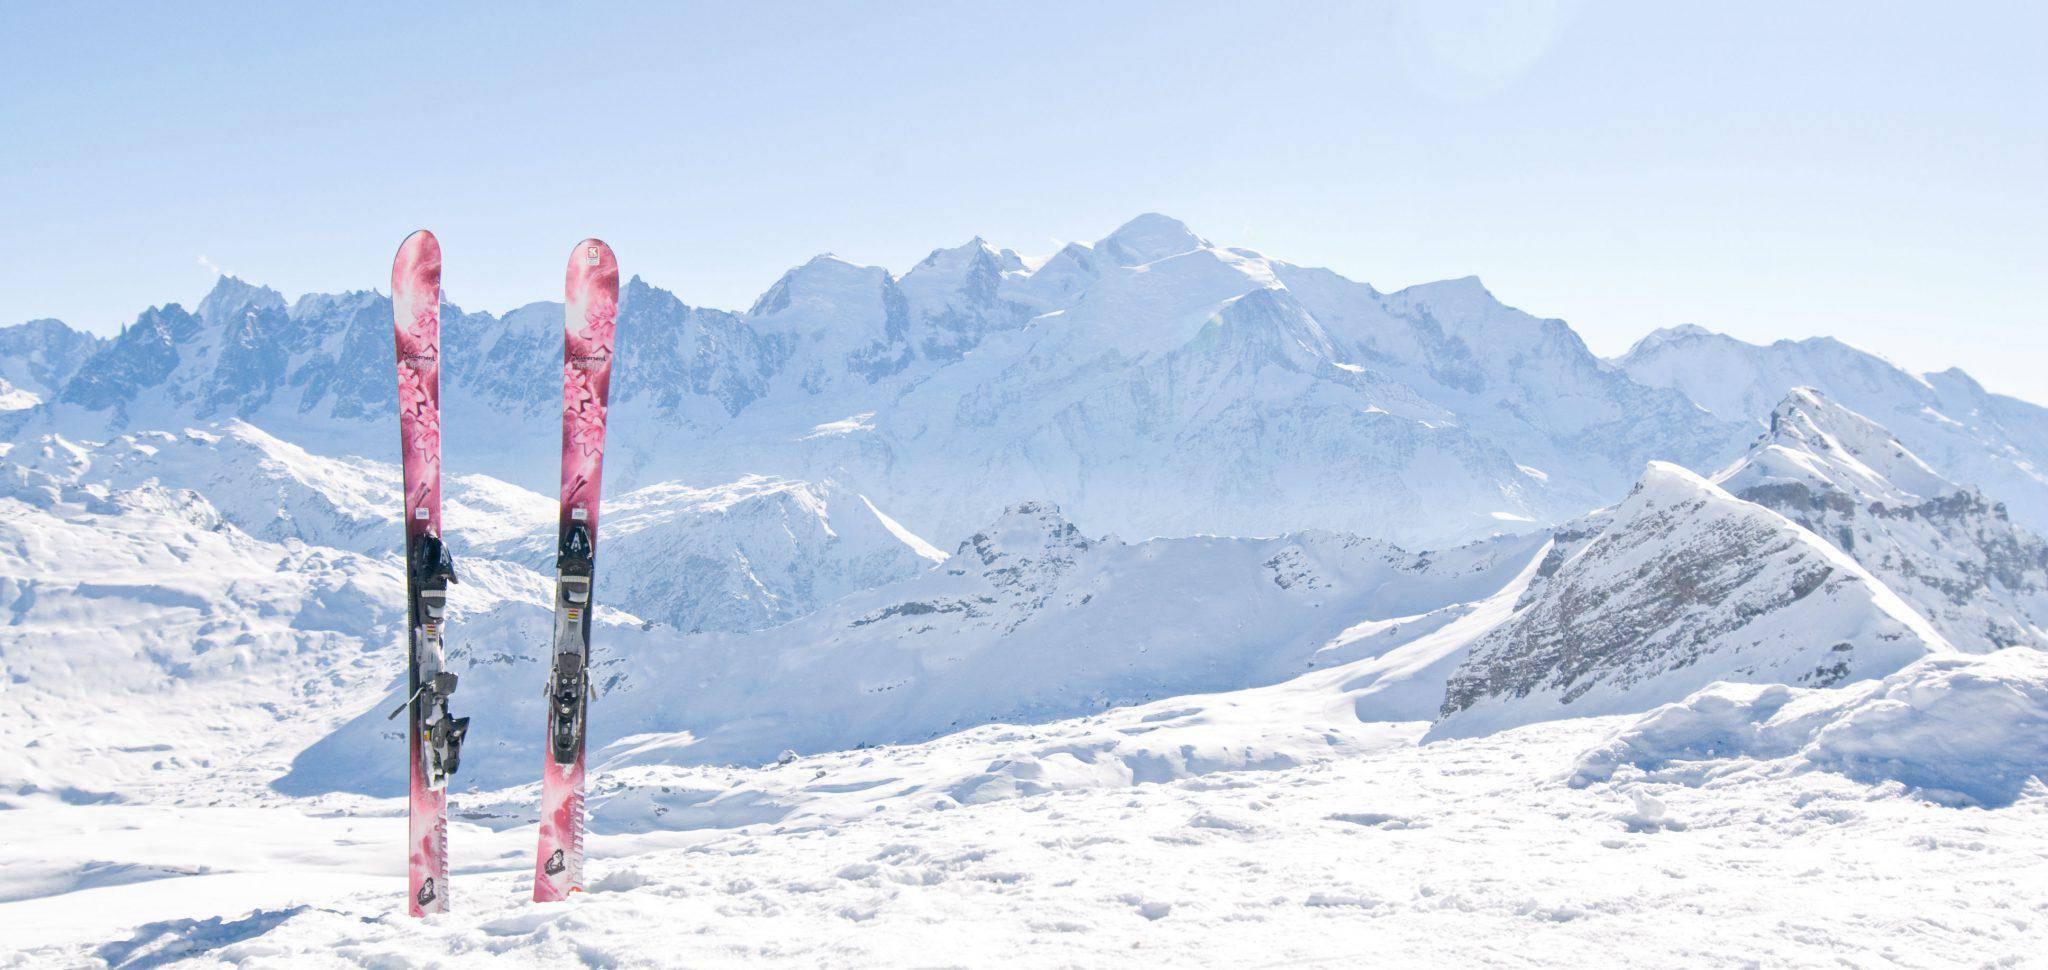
1874,172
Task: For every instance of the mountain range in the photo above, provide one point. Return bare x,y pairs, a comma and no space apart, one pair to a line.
1147,467
1151,384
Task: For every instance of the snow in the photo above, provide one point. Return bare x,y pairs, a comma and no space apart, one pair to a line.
15,399
908,538
1028,621
1944,548
848,425
1789,715
1954,730
1970,435
1153,383
1679,586
1333,838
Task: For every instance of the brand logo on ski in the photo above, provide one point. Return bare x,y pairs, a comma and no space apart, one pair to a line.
591,299
434,735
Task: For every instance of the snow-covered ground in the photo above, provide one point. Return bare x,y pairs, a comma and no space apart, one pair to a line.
1157,692
1220,831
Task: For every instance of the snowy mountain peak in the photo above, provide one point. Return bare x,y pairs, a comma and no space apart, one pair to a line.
825,279
1149,238
976,252
1680,585
1664,483
1946,549
1024,533
37,357
1990,441
968,273
1960,378
1665,335
1856,454
232,297
826,269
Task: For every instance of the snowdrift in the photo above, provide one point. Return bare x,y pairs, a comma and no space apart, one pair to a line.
1964,730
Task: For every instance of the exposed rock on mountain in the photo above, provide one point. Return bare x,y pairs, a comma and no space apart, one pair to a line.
736,557
1027,620
1946,549
1153,384
37,358
1997,443
1679,586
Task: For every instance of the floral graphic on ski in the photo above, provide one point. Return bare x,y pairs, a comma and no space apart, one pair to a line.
582,410
600,321
418,409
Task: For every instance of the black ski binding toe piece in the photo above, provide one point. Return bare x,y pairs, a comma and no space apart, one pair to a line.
575,556
567,692
432,566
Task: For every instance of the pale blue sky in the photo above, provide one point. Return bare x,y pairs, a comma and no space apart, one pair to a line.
1875,172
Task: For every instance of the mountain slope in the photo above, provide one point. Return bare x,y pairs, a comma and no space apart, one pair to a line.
746,555
1997,443
37,358
1152,383
152,645
1946,549
733,557
1027,621
1679,586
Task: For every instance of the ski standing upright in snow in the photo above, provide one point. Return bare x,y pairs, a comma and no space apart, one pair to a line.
433,736
592,298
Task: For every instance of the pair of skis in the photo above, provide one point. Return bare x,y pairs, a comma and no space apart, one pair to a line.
435,736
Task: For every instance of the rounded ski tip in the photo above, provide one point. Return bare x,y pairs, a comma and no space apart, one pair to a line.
592,253
418,264
591,263
420,241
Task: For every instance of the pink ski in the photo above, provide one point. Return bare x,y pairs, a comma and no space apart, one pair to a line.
434,738
592,297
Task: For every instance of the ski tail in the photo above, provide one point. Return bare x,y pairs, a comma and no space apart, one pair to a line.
432,734
591,297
